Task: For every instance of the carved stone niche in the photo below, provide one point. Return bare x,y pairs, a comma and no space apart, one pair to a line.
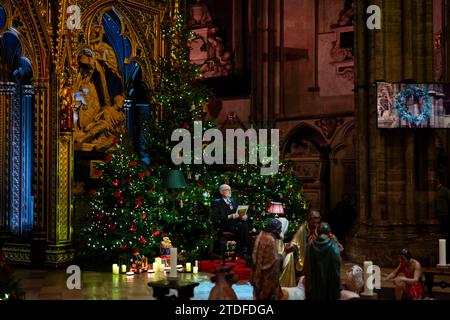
342,52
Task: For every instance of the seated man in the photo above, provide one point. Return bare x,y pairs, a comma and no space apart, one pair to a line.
226,219
407,278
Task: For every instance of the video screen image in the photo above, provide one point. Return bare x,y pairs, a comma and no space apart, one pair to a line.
405,105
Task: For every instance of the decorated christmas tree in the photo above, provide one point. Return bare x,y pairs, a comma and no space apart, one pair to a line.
9,287
182,98
127,212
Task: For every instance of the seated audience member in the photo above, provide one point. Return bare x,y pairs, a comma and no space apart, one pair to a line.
407,278
226,218
267,263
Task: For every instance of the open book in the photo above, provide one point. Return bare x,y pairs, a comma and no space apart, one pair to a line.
242,211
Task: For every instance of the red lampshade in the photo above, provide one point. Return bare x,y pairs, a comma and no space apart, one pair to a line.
276,208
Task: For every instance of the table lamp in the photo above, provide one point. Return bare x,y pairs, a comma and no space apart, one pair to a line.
276,209
173,180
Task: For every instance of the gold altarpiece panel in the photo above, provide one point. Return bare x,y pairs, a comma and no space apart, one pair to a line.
54,129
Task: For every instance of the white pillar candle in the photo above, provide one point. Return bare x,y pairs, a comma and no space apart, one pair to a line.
196,263
442,252
158,260
124,268
195,270
173,263
115,268
188,267
367,274
155,266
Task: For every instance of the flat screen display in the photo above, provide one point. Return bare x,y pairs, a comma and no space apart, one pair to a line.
405,105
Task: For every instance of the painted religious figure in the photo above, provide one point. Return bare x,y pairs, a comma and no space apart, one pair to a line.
97,116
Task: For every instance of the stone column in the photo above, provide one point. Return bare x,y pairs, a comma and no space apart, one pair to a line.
7,92
395,204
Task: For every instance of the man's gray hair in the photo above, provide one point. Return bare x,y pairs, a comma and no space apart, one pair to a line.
224,186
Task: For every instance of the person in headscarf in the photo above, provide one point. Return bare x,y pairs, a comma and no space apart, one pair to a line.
323,266
407,278
267,263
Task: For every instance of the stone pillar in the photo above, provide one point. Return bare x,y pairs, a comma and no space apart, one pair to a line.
7,92
395,203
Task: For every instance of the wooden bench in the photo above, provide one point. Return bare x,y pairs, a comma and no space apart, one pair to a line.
429,274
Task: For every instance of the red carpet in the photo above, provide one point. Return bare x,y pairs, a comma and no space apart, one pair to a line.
244,272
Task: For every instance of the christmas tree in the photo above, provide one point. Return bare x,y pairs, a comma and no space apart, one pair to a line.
127,212
182,97
9,287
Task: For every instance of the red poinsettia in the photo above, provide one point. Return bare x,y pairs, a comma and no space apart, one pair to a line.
93,191
144,216
117,193
123,246
133,228
155,233
115,183
98,172
142,240
116,140
108,158
133,162
148,173
141,175
100,216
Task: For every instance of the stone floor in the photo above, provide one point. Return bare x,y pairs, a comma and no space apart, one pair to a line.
50,284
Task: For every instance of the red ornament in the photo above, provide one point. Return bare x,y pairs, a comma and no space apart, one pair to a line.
133,228
116,140
108,158
92,192
135,251
148,173
138,204
155,233
98,172
133,162
141,175
115,183
100,216
142,240
117,193
123,246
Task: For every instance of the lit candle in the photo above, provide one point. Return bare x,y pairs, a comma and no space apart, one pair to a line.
188,267
442,252
155,266
367,274
130,273
158,260
115,268
196,263
173,263
124,268
195,269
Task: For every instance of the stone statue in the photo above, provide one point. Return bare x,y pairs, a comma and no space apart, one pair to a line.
199,15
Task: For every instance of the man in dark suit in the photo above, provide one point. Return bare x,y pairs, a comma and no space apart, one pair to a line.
226,219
